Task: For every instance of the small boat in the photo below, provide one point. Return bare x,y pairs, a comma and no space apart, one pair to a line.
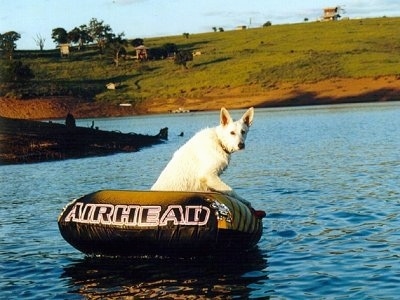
137,223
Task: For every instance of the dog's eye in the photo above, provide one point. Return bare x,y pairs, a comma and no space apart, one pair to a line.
232,133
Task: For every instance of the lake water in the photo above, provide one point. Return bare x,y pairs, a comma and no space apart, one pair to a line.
328,178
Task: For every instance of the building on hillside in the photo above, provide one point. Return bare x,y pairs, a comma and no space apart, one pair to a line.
331,14
141,52
64,50
241,27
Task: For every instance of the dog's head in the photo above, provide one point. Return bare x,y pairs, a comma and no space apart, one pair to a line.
232,134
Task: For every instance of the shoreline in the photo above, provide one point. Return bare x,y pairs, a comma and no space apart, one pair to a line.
28,141
332,91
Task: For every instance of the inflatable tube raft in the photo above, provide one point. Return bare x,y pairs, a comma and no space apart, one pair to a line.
132,223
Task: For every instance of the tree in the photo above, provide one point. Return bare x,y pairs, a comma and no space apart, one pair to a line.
85,37
7,43
59,36
267,24
186,34
137,42
214,29
162,52
169,49
100,33
16,71
182,57
221,29
79,35
39,41
117,47
75,37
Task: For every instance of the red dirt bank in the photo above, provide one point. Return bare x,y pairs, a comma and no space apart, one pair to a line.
340,90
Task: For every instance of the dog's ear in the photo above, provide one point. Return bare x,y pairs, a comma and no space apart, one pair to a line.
225,117
248,116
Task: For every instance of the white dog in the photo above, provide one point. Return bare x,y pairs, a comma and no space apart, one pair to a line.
196,166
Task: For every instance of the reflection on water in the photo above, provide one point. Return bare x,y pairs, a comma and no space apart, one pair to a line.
328,178
168,278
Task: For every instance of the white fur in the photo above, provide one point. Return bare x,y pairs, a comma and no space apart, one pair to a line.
196,166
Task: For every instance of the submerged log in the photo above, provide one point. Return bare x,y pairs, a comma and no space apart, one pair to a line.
25,141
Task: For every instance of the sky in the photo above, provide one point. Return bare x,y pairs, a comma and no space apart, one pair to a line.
154,18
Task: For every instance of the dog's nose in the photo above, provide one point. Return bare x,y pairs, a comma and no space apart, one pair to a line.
241,145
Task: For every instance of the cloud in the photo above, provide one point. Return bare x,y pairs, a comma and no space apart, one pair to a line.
372,8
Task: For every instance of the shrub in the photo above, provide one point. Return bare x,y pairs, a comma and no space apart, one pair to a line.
16,71
182,57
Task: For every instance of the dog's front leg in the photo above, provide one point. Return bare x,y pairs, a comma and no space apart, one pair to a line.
215,184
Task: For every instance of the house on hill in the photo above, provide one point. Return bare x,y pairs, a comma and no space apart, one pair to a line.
141,52
331,14
241,27
64,50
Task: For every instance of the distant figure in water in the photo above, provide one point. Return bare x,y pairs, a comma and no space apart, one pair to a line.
181,134
70,121
92,125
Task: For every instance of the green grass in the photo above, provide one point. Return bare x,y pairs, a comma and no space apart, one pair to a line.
258,58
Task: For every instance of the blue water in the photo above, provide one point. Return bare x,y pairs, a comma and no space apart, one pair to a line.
328,178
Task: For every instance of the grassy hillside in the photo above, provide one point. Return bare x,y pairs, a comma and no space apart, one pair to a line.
250,61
